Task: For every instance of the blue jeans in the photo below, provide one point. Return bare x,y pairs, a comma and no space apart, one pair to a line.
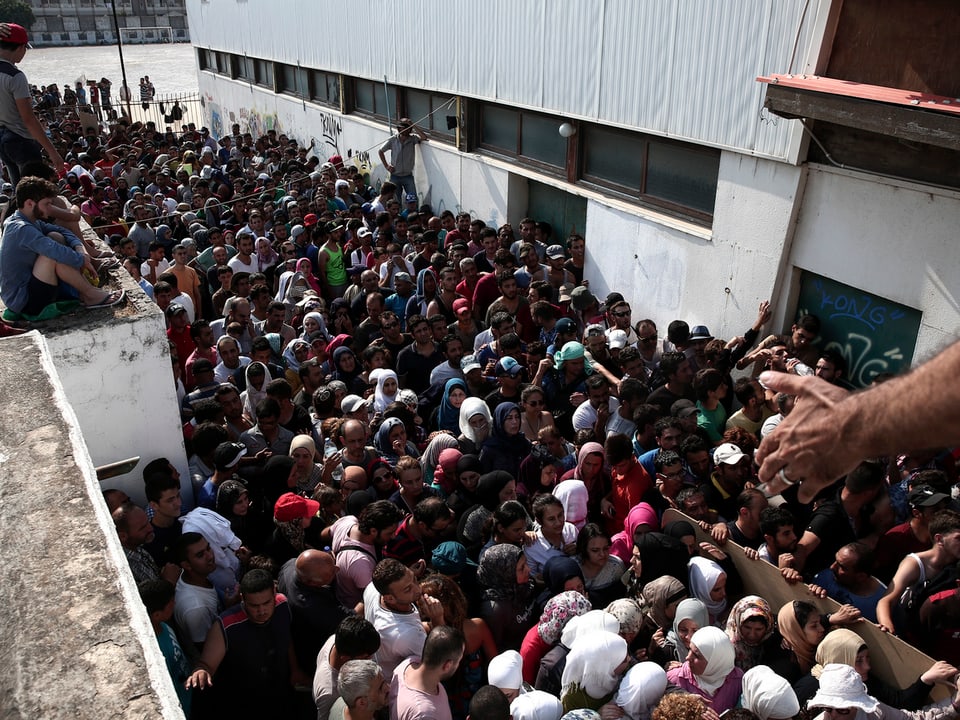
405,184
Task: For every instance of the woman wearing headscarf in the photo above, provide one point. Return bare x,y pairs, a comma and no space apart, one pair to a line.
505,672
660,600
691,615
291,516
308,473
305,269
475,421
536,705
506,447
709,670
340,320
560,574
257,377
537,475
593,671
454,396
493,489
391,441
708,583
430,459
591,471
641,519
233,503
347,370
506,606
539,640
445,477
801,626
767,695
267,257
313,322
575,498
641,690
296,353
464,495
386,390
847,648
749,627
549,676
602,571
662,555
684,532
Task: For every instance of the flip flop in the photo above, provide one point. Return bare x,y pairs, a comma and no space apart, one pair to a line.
109,301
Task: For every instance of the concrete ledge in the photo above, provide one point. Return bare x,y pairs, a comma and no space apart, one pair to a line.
77,641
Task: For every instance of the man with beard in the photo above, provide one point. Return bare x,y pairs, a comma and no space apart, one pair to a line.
35,256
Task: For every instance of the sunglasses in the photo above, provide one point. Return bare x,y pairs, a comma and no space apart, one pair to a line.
622,313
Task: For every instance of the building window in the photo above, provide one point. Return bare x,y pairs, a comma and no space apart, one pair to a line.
204,59
430,111
325,88
372,98
679,177
522,134
292,80
242,68
499,129
263,73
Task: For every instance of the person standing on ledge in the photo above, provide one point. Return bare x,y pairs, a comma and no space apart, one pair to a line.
21,135
403,156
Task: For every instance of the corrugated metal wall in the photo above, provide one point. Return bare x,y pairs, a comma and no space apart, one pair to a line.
684,69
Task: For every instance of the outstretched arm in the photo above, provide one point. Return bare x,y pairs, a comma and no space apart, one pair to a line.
830,431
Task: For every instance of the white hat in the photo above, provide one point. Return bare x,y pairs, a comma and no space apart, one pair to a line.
728,454
351,403
617,339
841,688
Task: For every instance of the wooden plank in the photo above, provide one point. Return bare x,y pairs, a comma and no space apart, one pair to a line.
905,123
893,660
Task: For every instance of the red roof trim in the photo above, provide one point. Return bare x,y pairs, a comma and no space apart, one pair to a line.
877,93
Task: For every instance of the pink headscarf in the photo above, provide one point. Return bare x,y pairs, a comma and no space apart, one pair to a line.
622,543
445,474
305,268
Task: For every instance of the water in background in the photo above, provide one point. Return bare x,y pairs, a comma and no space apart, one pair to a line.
172,67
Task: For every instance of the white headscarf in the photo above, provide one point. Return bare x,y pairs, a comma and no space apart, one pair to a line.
704,574
381,399
586,624
641,690
689,609
470,407
251,396
717,650
573,496
591,663
767,695
536,705
506,670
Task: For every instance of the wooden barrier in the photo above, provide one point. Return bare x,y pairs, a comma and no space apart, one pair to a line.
892,660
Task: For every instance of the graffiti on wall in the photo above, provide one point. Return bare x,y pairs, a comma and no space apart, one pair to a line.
251,120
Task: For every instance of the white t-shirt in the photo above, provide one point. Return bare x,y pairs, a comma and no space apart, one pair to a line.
237,265
401,634
585,416
540,550
195,609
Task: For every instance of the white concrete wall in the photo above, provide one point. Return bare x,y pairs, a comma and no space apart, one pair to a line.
892,238
671,270
117,376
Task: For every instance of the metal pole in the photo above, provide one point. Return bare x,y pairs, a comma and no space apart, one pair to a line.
125,90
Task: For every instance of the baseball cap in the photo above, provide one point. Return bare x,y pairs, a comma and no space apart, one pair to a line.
175,309
469,363
310,219
363,232
581,298
460,304
555,251
292,507
683,409
925,496
410,198
594,330
17,34
296,230
228,454
565,326
450,558
617,339
728,454
263,177
508,366
402,277
351,403
334,225
700,332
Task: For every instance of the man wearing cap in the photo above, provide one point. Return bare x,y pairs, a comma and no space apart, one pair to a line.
509,374
557,275
464,326
566,331
699,337
585,305
912,536
618,318
403,155
22,137
206,387
178,331
331,269
727,481
226,460
598,343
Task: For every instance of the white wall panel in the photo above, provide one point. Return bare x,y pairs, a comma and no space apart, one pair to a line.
682,69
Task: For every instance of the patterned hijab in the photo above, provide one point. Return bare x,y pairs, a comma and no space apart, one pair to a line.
752,607
558,612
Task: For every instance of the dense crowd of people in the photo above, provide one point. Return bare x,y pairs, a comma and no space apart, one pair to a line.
430,466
